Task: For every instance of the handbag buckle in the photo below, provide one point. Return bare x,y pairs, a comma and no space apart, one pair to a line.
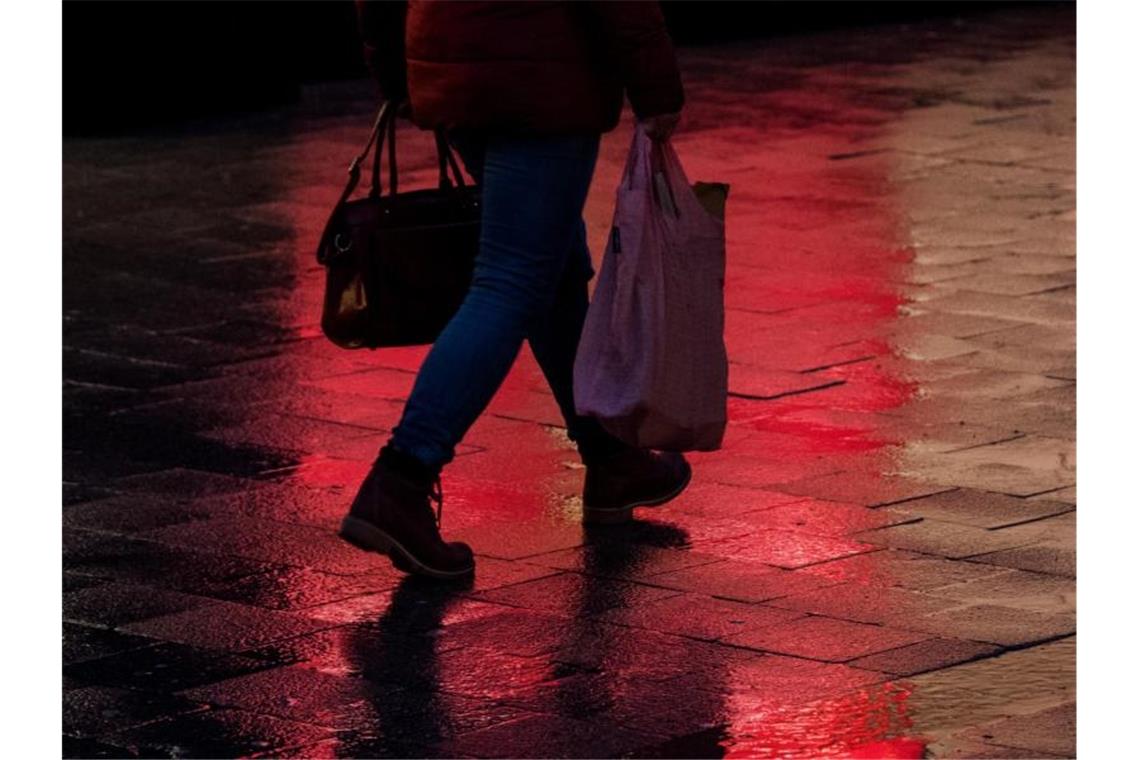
341,247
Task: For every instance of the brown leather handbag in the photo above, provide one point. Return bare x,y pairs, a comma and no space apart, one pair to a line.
398,265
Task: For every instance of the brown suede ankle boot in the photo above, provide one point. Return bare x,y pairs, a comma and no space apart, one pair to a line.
631,478
392,515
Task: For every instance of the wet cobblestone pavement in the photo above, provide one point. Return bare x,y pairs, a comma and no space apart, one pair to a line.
880,562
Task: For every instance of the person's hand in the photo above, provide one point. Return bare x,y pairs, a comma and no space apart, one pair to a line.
660,127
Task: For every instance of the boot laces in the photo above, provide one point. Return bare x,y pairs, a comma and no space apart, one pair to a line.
435,494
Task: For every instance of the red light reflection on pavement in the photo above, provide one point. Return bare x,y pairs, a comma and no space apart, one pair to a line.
813,285
851,726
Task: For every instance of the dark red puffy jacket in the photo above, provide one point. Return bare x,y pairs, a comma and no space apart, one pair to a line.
547,66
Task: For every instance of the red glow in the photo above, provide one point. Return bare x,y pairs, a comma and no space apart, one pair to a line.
814,267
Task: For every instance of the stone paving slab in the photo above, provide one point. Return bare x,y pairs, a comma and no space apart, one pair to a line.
880,562
863,603
225,625
1053,730
957,699
700,617
1044,557
97,710
82,642
826,639
216,733
996,624
113,605
902,569
945,539
740,581
924,656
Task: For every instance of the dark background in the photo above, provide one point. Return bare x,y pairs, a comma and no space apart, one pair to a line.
131,65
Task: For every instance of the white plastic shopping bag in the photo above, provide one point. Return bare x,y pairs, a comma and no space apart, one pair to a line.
651,365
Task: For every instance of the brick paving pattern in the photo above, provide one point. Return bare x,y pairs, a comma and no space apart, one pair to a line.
880,562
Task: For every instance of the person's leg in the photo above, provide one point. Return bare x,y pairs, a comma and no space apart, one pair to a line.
554,341
619,477
533,193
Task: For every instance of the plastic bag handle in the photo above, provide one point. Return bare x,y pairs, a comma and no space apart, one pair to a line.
634,156
662,189
660,185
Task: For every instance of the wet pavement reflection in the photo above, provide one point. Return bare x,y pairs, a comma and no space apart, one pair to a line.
878,564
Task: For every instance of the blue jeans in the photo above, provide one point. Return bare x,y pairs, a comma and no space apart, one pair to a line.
529,284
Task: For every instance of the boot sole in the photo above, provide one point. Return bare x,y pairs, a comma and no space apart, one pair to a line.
624,513
364,535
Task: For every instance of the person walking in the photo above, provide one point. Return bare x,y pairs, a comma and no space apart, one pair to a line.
524,91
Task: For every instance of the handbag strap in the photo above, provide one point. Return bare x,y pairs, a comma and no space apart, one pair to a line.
447,161
448,166
382,117
390,125
384,129
385,122
353,177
